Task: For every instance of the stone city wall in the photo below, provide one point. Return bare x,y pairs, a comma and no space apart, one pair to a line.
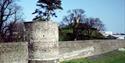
18,52
75,49
42,46
14,52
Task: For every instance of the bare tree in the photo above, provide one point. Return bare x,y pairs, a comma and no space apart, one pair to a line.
9,13
78,22
95,23
72,21
75,16
15,32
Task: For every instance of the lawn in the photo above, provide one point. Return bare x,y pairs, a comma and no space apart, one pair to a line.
111,57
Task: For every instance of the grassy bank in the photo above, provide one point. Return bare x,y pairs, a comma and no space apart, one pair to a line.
111,57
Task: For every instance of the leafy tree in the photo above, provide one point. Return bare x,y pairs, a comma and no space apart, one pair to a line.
46,9
9,12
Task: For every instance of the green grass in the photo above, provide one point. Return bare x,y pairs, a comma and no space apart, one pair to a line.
111,57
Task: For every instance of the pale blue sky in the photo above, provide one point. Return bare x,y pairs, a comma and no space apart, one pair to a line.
111,12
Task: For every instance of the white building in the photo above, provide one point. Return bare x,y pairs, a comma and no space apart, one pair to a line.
106,33
118,35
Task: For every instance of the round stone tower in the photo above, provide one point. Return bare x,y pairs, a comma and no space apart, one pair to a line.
43,41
